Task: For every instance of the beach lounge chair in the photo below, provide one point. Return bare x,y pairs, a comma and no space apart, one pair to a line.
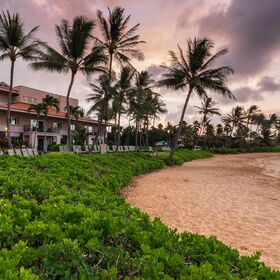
126,149
103,148
11,152
132,148
18,152
24,152
30,152
94,149
86,149
61,149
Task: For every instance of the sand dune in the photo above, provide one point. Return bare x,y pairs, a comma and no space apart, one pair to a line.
234,197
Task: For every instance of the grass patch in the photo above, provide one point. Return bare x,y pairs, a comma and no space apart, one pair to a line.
61,218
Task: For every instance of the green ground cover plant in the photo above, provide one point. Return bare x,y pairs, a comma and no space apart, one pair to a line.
61,217
248,150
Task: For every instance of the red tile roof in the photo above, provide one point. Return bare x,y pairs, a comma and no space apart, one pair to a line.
23,107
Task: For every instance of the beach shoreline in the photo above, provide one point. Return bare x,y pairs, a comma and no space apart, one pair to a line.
234,197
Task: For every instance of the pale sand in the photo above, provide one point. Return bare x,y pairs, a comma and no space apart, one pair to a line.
234,197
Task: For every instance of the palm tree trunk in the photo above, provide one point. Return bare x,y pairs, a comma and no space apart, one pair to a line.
9,105
68,111
119,132
136,134
98,128
45,138
180,124
106,105
119,124
147,136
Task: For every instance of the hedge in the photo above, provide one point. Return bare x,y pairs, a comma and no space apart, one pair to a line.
62,218
247,150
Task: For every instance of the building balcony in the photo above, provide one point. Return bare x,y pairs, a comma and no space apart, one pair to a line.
29,128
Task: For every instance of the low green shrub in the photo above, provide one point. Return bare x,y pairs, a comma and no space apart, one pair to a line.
62,218
248,150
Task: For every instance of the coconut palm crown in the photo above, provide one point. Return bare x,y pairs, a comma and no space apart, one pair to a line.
193,69
76,54
14,44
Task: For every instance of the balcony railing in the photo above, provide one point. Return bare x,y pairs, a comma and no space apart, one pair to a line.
29,128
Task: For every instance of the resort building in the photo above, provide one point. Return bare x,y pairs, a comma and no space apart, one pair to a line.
27,126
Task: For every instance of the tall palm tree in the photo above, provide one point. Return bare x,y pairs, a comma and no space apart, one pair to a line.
207,109
14,44
74,41
252,111
118,41
76,112
236,118
193,70
139,105
47,102
39,110
124,89
103,93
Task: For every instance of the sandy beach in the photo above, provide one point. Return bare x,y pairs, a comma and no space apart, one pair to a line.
234,197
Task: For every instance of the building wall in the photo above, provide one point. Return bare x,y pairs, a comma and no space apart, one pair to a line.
35,96
3,97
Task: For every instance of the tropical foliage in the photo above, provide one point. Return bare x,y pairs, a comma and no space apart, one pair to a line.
15,44
192,69
74,39
68,222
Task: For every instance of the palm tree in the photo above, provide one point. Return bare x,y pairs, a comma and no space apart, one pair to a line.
47,102
103,93
76,112
118,41
236,118
250,113
193,70
207,110
74,41
124,89
14,44
139,106
39,110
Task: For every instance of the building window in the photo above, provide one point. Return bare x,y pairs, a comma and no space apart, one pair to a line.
88,129
72,127
33,124
30,100
54,140
13,120
55,125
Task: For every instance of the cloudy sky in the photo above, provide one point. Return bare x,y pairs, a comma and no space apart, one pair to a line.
250,29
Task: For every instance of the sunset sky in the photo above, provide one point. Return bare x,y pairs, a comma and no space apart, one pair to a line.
250,29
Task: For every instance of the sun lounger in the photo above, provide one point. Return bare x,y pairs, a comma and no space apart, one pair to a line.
18,152
30,152
103,148
94,149
126,149
132,148
11,152
61,148
24,152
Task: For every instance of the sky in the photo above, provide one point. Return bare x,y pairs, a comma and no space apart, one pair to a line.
248,28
